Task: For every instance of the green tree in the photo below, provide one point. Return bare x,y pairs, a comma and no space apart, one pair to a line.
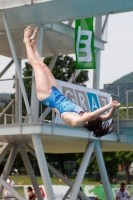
125,159
65,67
110,159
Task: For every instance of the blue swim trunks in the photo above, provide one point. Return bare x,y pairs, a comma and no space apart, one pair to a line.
61,103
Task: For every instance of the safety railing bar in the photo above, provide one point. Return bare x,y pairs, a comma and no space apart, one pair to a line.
8,79
10,115
5,98
118,83
13,79
8,106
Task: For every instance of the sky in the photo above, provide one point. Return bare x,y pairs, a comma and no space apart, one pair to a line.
116,59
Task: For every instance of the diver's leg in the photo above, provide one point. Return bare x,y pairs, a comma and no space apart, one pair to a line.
35,49
43,83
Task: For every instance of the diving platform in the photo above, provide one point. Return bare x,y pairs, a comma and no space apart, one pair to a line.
65,139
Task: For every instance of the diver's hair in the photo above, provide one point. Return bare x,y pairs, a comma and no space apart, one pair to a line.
98,127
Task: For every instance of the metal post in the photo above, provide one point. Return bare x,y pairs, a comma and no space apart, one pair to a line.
103,172
53,61
5,152
67,193
96,72
81,171
30,172
43,166
11,189
118,90
18,98
16,62
6,68
9,164
57,173
118,121
105,23
73,78
44,114
127,110
13,113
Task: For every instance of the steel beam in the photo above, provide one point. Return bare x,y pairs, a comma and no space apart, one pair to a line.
67,193
105,23
6,68
9,164
5,152
81,171
69,31
74,75
56,172
43,166
11,189
53,61
30,171
16,62
44,114
103,172
96,72
18,98
46,129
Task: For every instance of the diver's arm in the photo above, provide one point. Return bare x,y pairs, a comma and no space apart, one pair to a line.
109,115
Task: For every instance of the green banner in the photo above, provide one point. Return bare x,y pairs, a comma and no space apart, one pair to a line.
84,44
92,191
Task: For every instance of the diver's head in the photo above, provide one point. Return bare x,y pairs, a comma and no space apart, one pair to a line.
98,127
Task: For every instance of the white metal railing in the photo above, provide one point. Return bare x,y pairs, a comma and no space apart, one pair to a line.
127,107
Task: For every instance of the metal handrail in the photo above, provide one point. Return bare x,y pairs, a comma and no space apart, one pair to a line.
8,106
5,98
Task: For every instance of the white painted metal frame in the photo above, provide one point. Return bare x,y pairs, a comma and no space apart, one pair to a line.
16,62
33,116
6,68
56,172
30,171
9,164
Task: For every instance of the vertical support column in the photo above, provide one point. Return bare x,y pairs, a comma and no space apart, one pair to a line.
13,104
81,171
96,72
16,62
30,172
53,61
18,98
127,109
43,166
9,164
103,172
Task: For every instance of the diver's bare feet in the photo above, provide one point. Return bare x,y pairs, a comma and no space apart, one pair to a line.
33,38
27,33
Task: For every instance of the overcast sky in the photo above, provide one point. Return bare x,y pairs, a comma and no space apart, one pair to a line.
116,59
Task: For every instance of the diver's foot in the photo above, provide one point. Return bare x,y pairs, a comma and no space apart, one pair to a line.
33,38
27,33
